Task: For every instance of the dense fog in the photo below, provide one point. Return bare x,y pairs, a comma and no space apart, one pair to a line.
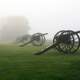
13,27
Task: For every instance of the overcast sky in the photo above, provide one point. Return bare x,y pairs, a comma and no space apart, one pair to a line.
45,15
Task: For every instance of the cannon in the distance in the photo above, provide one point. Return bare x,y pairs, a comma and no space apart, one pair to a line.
36,39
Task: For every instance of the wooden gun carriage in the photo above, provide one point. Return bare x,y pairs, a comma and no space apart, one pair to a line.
66,41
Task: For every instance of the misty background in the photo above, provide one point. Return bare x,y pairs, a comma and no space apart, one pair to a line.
19,17
13,27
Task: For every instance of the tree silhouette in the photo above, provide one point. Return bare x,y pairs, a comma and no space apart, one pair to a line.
13,27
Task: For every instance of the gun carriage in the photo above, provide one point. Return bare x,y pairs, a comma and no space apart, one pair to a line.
37,39
66,41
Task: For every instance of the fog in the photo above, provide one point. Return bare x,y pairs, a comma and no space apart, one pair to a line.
13,27
48,16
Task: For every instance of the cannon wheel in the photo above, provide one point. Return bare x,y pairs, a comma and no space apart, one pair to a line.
38,39
66,47
55,39
76,43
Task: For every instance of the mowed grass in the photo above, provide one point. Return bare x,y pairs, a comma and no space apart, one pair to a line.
19,63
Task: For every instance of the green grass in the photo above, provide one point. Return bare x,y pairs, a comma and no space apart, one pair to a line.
18,63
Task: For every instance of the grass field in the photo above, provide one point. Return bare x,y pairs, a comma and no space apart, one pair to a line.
18,63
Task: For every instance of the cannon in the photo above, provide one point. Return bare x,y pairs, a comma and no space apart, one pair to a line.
66,41
37,39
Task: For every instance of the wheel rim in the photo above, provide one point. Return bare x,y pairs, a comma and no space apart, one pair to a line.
38,39
68,43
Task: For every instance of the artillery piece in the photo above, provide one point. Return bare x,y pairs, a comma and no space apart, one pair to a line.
37,39
66,41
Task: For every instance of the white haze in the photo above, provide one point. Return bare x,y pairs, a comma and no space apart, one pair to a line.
13,27
45,15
